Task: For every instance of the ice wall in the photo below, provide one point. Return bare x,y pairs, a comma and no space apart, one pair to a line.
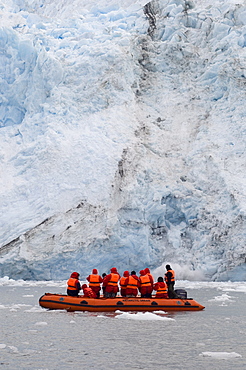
123,138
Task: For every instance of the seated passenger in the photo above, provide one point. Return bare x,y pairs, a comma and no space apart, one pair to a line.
88,292
94,282
103,283
145,285
123,283
111,283
147,272
161,288
132,285
73,285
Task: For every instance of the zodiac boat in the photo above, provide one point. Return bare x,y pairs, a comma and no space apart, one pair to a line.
80,303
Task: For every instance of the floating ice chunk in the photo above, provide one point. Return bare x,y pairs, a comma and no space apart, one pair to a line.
41,323
142,316
238,287
11,282
220,355
35,309
2,345
13,348
160,312
223,298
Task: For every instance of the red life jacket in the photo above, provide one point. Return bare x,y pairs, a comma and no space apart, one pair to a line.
144,280
94,280
114,279
88,292
72,284
132,283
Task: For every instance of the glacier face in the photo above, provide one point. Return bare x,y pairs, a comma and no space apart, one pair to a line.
122,127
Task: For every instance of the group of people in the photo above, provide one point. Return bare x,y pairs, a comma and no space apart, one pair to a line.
129,284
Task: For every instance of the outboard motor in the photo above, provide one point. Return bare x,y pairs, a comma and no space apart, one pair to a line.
181,293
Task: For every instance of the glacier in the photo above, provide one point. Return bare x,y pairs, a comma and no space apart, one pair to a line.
122,130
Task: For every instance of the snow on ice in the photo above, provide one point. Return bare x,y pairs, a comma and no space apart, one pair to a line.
122,130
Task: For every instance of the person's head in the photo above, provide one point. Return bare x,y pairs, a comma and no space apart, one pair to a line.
113,270
103,275
133,272
74,275
168,267
126,273
160,279
147,271
84,286
141,272
94,271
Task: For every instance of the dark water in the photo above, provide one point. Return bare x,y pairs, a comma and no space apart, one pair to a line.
33,338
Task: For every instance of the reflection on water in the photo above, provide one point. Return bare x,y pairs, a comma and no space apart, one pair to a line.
37,339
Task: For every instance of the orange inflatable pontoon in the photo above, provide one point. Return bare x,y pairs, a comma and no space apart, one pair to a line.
65,302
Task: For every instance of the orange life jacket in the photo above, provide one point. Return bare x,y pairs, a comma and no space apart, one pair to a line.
145,280
173,275
114,280
71,284
123,281
162,289
94,280
132,283
150,276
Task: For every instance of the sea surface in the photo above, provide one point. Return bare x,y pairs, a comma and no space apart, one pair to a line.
38,339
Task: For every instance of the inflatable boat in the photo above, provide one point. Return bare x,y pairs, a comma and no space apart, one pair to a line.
80,303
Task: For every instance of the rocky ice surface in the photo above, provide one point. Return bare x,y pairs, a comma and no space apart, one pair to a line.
122,130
